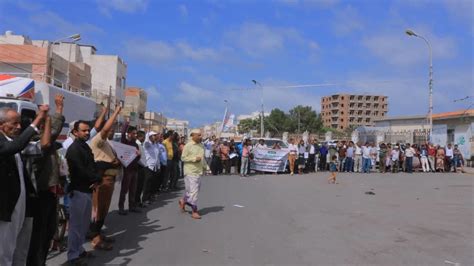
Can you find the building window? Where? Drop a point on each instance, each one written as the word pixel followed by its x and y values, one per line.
pixel 376 98
pixel 352 97
pixel 342 127
pixel 367 120
pixel 367 98
pixel 342 105
pixel 450 136
pixel 359 98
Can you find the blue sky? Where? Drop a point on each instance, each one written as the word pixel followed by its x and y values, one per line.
pixel 191 55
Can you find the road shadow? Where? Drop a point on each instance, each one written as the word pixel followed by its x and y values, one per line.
pixel 128 231
pixel 209 210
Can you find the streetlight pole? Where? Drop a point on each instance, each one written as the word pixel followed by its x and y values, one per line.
pixel 412 33
pixel 75 37
pixel 262 128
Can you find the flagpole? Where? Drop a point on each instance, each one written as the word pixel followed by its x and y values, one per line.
pixel 223 120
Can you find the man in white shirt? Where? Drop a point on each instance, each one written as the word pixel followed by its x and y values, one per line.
pixel 366 157
pixel 312 156
pixel 409 153
pixel 358 162
pixel 152 165
pixel 450 156
pixel 261 144
pixel 395 156
pixel 141 137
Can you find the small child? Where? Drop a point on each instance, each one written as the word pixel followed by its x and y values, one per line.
pixel 333 169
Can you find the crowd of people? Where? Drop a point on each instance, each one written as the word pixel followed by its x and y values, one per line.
pixel 348 156
pixel 227 156
pixel 38 170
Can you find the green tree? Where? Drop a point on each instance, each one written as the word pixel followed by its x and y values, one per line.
pixel 277 122
pixel 245 125
pixel 304 118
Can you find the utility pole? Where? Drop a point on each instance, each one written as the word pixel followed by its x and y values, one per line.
pixel 262 128
pixel 299 117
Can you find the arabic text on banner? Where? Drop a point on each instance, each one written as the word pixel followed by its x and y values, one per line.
pixel 269 160
pixel 125 153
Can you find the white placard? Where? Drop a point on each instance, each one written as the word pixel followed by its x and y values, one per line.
pixel 125 153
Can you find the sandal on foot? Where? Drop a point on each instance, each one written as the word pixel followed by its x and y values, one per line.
pixel 103 246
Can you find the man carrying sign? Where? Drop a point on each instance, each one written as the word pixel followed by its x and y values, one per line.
pixel 194 167
pixel 108 167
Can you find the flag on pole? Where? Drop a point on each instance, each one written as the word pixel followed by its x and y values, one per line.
pixel 227 122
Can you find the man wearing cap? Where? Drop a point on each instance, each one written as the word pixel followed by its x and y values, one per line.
pixel 194 167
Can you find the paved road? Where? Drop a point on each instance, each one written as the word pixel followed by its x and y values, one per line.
pixel 418 219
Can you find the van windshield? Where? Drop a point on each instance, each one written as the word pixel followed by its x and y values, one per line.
pixel 9 105
pixel 27 116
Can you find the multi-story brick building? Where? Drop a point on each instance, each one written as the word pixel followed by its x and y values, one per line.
pixel 23 57
pixel 135 105
pixel 340 111
pixel 76 67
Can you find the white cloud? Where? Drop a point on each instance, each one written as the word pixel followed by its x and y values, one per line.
pixel 150 51
pixel 126 6
pixel 399 49
pixel 460 9
pixel 197 53
pixel 158 52
pixel 60 26
pixel 347 20
pixel 183 10
pixel 258 40
pixel 193 94
pixel 309 3
pixel 153 93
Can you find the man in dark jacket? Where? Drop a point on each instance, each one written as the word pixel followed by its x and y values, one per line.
pixel 84 178
pixel 129 181
pixel 16 188
pixel 47 185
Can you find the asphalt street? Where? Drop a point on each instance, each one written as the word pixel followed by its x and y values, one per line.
pixel 408 219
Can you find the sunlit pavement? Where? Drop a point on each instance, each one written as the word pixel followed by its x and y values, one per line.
pixel 409 219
